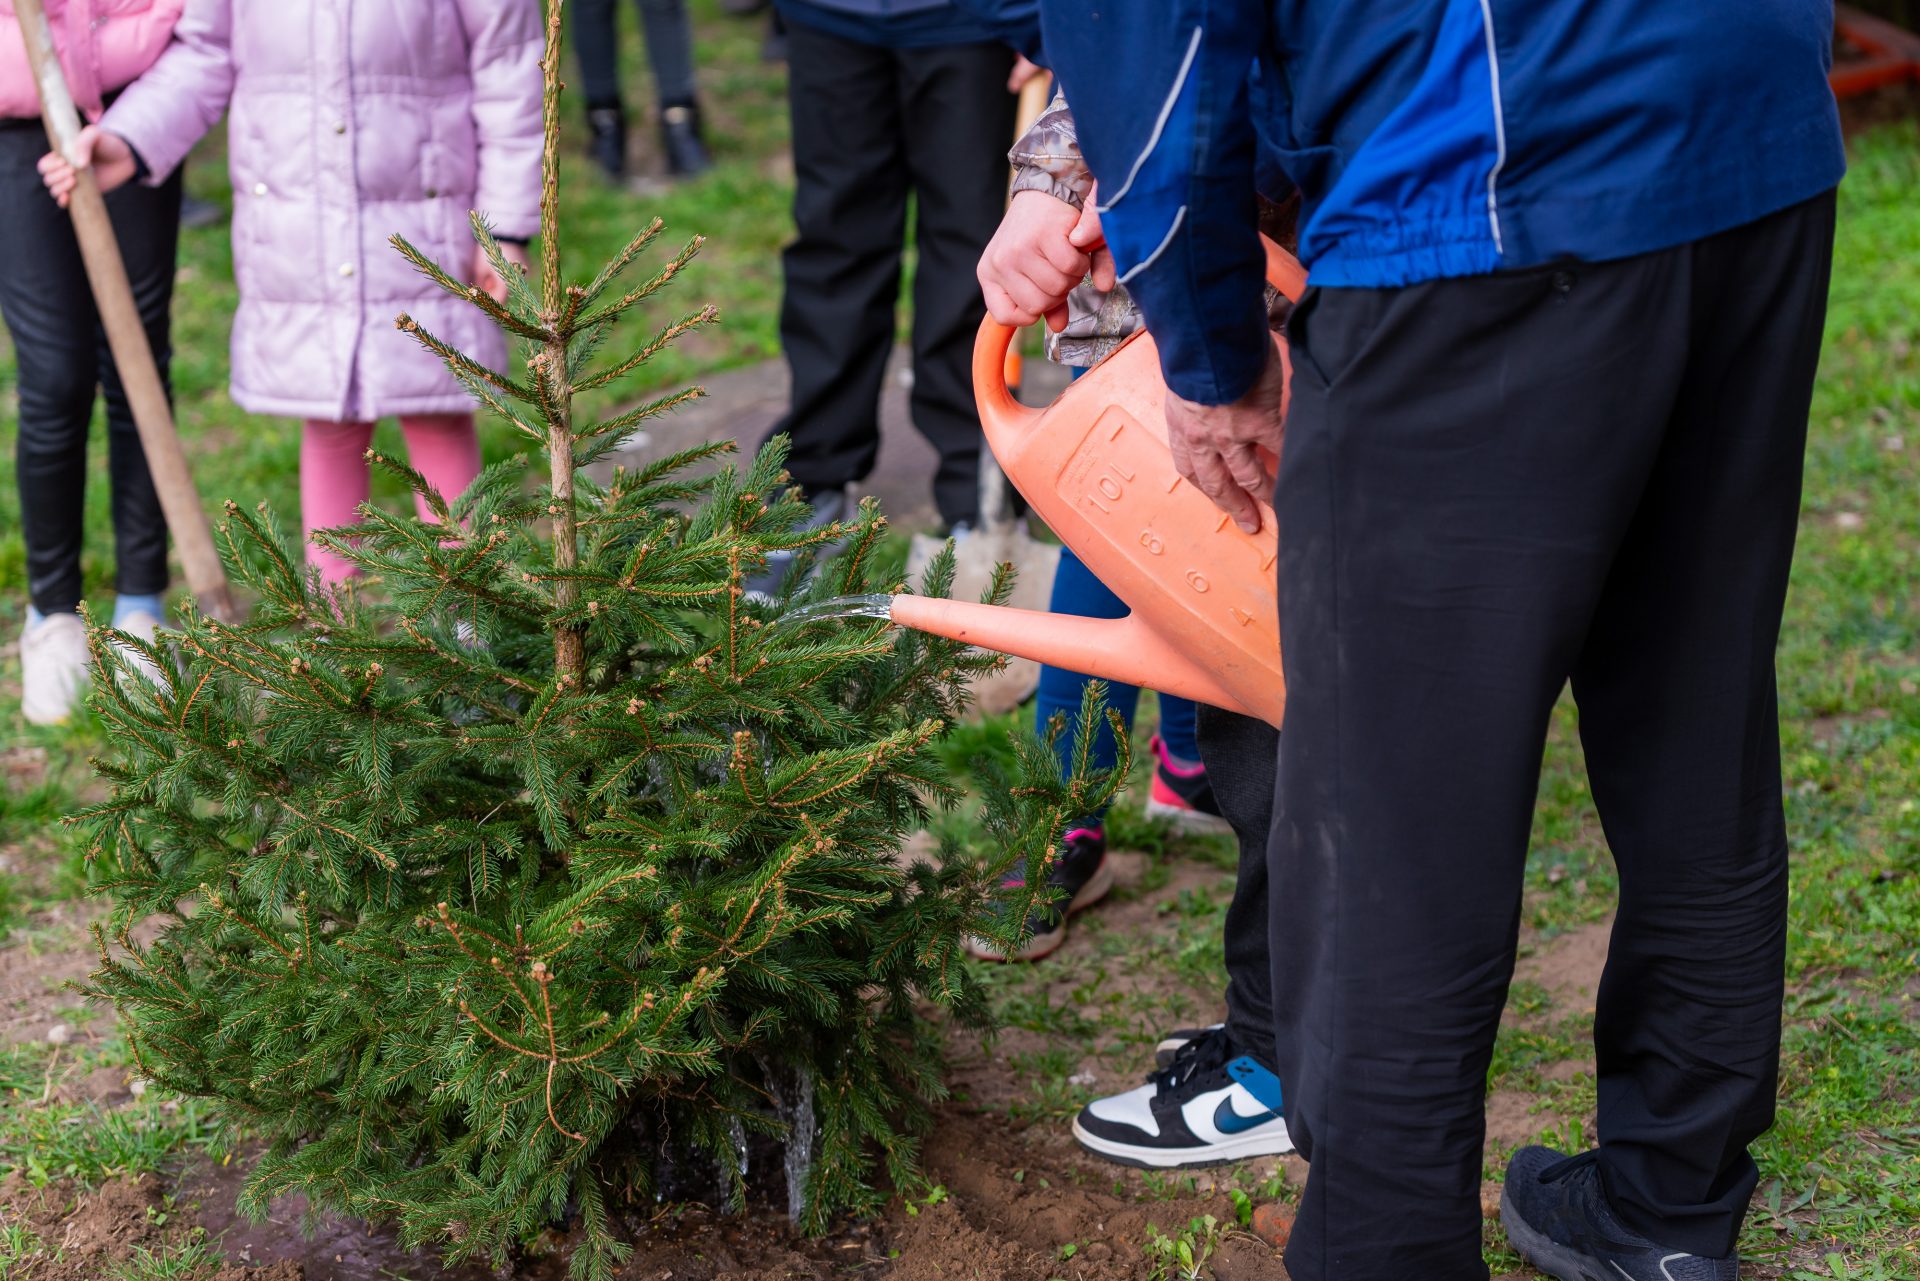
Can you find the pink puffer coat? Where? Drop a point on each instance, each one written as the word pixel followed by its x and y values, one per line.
pixel 350 120
pixel 103 44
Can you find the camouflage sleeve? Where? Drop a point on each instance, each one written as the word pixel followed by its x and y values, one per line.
pixel 1047 157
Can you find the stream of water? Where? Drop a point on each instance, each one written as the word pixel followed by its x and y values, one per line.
pixel 878 605
pixel 792 1091
pixel 797 1111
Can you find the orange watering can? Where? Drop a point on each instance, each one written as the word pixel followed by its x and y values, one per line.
pixel 1095 466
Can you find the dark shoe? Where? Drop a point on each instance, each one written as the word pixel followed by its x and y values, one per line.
pixel 198 214
pixel 607 139
pixel 1081 873
pixel 1211 1106
pixel 683 142
pixel 774 48
pixel 1182 796
pixel 829 505
pixel 1556 1215
pixel 742 8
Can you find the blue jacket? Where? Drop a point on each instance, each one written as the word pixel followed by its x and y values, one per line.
pixel 1429 138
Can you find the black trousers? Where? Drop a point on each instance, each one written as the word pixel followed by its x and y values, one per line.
pixel 1490 487
pixel 61 354
pixel 669 35
pixel 1241 754
pixel 871 127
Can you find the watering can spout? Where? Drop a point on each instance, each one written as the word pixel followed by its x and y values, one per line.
pixel 1125 650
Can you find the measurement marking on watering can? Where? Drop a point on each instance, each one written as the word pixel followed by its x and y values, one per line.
pixel 1111 484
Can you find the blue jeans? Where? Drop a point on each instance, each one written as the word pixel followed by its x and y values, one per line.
pixel 1077 591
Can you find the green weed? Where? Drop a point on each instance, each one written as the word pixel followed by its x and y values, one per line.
pixel 187 1260
pixel 1182 1256
pixel 89 1143
pixel 22 1252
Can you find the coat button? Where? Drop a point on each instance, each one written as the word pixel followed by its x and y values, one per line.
pixel 432 192
pixel 259 188
pixel 339 126
pixel 346 269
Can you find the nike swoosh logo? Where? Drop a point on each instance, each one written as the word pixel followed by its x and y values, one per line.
pixel 1227 1121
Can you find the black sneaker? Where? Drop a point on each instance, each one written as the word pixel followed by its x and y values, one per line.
pixel 1182 796
pixel 1163 1053
pixel 683 140
pixel 774 48
pixel 1556 1215
pixel 197 214
pixel 1082 871
pixel 829 505
pixel 1211 1106
pixel 607 139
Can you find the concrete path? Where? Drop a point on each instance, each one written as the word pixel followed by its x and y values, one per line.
pixel 745 403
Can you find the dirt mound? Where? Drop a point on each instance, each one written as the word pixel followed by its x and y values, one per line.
pixel 83 1234
pixel 1017 1201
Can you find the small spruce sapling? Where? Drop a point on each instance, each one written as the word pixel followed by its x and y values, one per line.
pixel 546 850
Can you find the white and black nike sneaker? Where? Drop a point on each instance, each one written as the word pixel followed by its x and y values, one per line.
pixel 1211 1106
pixel 1557 1216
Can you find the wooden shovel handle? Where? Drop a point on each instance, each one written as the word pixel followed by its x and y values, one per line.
pixel 126 336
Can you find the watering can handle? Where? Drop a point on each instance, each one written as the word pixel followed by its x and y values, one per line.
pixel 998 408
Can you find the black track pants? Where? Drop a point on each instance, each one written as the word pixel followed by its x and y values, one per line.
pixel 1240 754
pixel 1490 487
pixel 61 352
pixel 872 125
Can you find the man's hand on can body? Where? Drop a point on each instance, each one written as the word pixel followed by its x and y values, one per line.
pixel 1229 451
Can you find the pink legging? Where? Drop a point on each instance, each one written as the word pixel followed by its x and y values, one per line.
pixel 333 473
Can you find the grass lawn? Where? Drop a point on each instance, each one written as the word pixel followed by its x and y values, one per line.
pixel 1840 1192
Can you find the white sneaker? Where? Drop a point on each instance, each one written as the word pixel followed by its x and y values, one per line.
pixel 1210 1106
pixel 53 668
pixel 141 625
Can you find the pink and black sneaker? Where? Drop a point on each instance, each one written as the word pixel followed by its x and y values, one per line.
pixel 1082 872
pixel 1182 796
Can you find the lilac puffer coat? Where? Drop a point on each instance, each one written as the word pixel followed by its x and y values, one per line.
pixel 351 120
